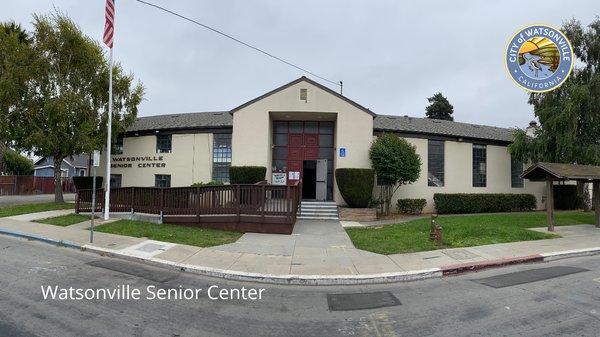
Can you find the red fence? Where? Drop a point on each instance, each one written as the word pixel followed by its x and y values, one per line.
pixel 20 185
pixel 248 208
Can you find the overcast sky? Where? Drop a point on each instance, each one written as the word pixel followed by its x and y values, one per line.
pixel 390 55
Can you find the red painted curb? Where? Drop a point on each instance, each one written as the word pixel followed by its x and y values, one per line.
pixel 455 269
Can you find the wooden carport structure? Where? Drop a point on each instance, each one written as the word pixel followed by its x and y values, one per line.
pixel 551 172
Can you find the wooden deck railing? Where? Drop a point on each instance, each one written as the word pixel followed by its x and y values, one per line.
pixel 253 208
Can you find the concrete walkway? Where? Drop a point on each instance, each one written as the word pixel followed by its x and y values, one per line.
pixel 33 199
pixel 315 250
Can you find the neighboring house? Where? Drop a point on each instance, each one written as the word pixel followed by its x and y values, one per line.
pixel 76 166
pixel 304 130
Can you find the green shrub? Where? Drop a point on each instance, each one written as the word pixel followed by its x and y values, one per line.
pixel 355 185
pixel 410 206
pixel 87 183
pixel 247 174
pixel 565 197
pixel 210 183
pixel 463 203
pixel 17 164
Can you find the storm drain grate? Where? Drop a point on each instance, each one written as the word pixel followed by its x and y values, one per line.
pixel 528 276
pixel 359 301
pixel 152 274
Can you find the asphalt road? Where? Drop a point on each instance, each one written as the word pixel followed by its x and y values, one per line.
pixel 454 306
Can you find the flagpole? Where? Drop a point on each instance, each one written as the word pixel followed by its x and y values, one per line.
pixel 108 139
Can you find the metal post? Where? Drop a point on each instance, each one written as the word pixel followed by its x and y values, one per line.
pixel 93 206
pixel 108 139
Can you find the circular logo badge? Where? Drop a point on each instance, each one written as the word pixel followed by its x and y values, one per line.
pixel 539 58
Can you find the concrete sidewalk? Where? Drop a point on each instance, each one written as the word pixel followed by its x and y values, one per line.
pixel 318 252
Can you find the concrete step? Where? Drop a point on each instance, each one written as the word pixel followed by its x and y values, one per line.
pixel 317 218
pixel 318 214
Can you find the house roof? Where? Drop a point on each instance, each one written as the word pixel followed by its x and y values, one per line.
pixel 80 160
pixel 308 80
pixel 194 120
pixel 382 123
pixel 438 127
pixel 557 171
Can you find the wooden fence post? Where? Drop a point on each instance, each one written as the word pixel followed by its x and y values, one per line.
pixel 263 202
pixel 596 201
pixel 550 204
pixel 238 202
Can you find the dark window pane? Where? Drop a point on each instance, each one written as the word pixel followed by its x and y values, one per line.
pixel 326 128
pixel 326 153
pixel 221 156
pixel 326 140
pixel 115 180
pixel 479 165
pixel 162 180
pixel 279 165
pixel 311 127
pixel 280 127
pixel 280 152
pixel 118 147
pixel 295 127
pixel 435 163
pixel 280 139
pixel 516 169
pixel 163 143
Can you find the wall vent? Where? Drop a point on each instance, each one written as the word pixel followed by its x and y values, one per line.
pixel 304 95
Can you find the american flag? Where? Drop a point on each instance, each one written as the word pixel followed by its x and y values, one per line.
pixel 109 25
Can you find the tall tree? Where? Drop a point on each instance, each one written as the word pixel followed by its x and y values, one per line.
pixel 440 108
pixel 569 116
pixel 15 55
pixel 64 109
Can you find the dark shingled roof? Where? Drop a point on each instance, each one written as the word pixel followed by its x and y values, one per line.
pixel 428 126
pixel 541 171
pixel 424 126
pixel 193 120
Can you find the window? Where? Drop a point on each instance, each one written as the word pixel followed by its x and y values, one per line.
pixel 163 143
pixel 82 172
pixel 435 163
pixel 221 156
pixel 118 145
pixel 516 169
pixel 115 180
pixel 162 180
pixel 479 165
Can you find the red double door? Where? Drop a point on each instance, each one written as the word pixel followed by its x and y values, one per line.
pixel 301 147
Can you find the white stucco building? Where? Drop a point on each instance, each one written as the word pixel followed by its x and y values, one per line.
pixel 304 130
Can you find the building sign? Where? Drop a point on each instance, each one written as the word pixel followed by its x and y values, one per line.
pixel 342 152
pixel 140 162
pixel 278 178
pixel 294 175
pixel 96 158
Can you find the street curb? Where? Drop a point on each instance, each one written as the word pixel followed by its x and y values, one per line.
pixel 313 280
pixel 456 269
pixel 61 243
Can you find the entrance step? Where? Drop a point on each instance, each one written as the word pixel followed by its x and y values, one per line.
pixel 318 210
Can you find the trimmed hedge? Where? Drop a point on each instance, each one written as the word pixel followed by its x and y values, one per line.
pixel 247 174
pixel 565 197
pixel 411 206
pixel 463 203
pixel 210 183
pixel 87 183
pixel 355 185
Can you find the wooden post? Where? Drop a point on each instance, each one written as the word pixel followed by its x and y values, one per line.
pixel 550 204
pixel 263 202
pixel 596 201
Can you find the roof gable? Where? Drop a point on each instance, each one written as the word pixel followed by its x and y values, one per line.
pixel 307 80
